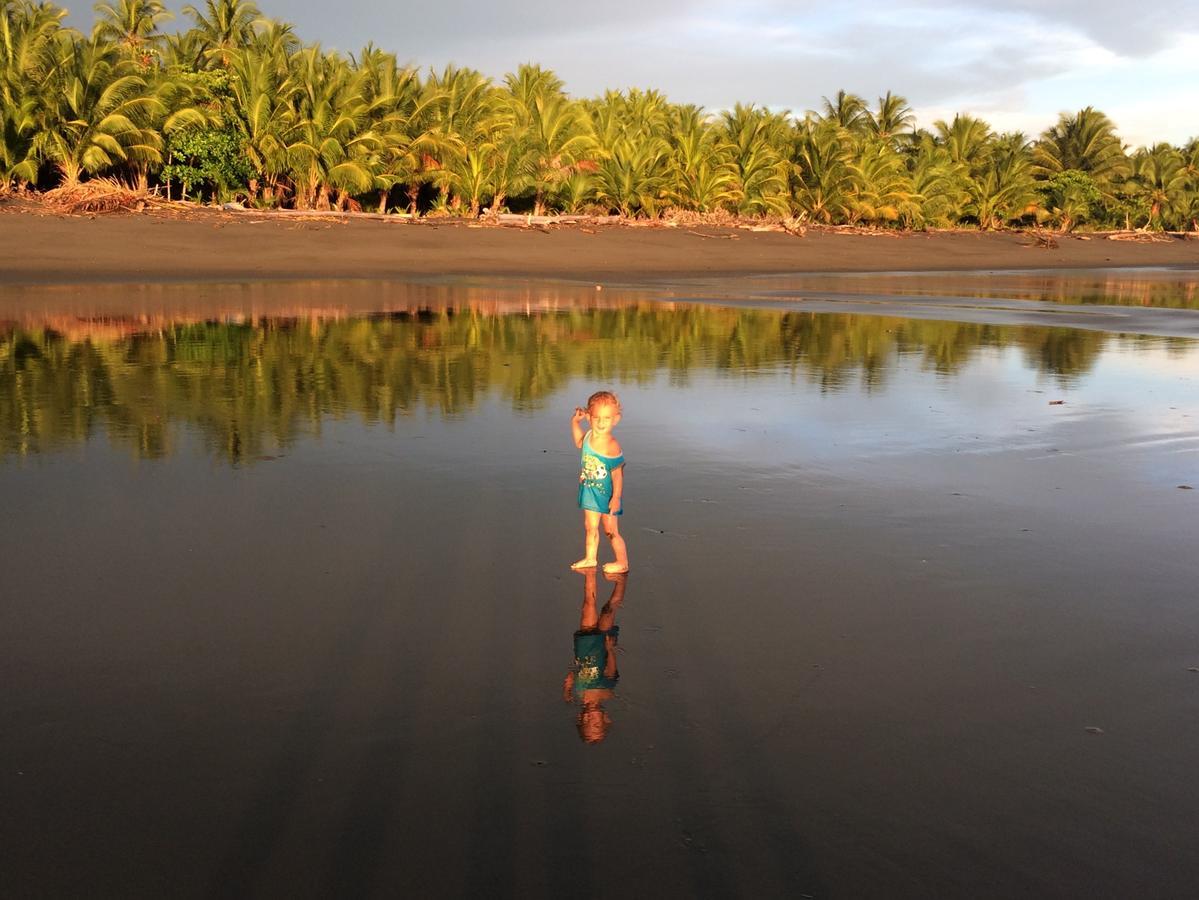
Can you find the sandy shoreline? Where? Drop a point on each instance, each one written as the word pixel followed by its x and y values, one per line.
pixel 37 247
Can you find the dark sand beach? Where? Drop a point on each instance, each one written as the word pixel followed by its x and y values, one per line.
pixel 38 246
pixel 289 506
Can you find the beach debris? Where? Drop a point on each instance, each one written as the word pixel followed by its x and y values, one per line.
pixel 1094 729
pixel 859 230
pixel 1057 402
pixel 599 287
pixel 1185 487
pixel 1045 241
pixel 539 763
pixel 1193 669
pixel 97 195
pixel 1140 237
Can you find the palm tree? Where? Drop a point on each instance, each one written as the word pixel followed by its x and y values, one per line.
pixel 132 24
pixel 331 144
pixel 967 140
pixel 891 118
pixel 29 41
pixel 703 176
pixel 847 111
pixel 224 27
pixel 757 138
pixel 260 110
pixel 934 183
pixel 29 34
pixel 1190 155
pixel 387 89
pixel 633 176
pixel 632 170
pixel 968 143
pixel 1086 142
pixel 467 112
pixel 95 112
pixel 1160 180
pixel 18 158
pixel 1004 190
pixel 274 39
pixel 554 130
pixel 882 188
pixel 411 142
pixel 529 82
pixel 826 180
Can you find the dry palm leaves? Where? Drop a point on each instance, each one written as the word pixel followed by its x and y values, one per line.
pixel 99 195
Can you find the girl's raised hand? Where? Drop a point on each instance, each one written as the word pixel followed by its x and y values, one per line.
pixel 580 414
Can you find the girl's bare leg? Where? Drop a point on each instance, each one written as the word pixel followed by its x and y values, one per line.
pixel 612 530
pixel 591 522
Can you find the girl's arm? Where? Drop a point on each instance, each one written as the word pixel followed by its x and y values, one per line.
pixel 617 489
pixel 575 428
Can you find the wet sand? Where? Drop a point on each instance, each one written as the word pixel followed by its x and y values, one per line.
pixel 912 632
pixel 37 247
pixel 285 682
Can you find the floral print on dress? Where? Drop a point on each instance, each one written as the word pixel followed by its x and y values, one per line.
pixel 594 473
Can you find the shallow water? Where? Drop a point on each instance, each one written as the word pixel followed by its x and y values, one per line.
pixel 1160 287
pixel 286 606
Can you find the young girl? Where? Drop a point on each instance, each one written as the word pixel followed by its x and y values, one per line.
pixel 601 479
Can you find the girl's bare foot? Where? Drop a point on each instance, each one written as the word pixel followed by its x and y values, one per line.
pixel 585 564
pixel 614 568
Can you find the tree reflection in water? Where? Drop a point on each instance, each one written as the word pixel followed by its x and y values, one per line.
pixel 252 387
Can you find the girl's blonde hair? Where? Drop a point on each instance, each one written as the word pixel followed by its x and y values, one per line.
pixel 602 397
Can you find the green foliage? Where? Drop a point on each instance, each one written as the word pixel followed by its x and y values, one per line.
pixel 1071 197
pixel 210 160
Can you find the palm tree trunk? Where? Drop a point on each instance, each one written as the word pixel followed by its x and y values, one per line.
pixel 413 194
pixel 383 201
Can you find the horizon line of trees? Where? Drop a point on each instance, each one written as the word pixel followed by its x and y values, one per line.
pixel 237 106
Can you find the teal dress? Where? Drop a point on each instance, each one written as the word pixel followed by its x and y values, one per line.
pixel 591 661
pixel 595 478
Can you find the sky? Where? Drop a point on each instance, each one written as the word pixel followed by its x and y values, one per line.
pixel 1016 63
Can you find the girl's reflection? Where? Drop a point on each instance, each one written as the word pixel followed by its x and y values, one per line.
pixel 592 679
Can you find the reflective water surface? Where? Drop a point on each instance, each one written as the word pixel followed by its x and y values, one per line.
pixel 1167 288
pixel 286 606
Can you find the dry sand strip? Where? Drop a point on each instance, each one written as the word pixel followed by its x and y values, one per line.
pixel 209 245
pixel 1158 322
